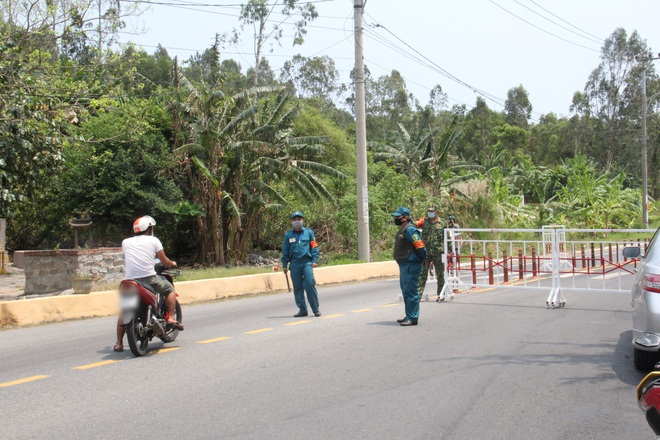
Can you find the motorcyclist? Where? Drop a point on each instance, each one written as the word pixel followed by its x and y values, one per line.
pixel 140 251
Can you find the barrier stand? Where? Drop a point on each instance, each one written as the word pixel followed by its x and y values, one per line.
pixel 555 298
pixel 453 283
pixel 505 265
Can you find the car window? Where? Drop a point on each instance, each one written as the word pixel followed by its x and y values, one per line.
pixel 654 249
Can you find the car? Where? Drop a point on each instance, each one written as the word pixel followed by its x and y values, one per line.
pixel 645 303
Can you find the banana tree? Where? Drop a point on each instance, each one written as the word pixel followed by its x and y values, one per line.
pixel 239 148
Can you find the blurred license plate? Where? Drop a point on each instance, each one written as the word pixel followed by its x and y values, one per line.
pixel 129 302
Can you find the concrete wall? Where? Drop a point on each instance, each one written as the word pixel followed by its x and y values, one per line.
pixel 51 271
pixel 19 259
pixel 60 308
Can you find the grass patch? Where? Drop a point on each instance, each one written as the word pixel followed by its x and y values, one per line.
pixel 219 272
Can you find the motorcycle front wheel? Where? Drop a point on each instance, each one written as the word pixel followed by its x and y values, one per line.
pixel 138 344
pixel 172 333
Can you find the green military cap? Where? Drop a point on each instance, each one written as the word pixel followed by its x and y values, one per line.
pixel 401 211
pixel 432 208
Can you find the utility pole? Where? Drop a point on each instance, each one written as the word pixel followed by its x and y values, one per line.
pixel 361 137
pixel 645 197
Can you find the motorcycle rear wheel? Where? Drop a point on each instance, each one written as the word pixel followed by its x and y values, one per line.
pixel 172 333
pixel 137 344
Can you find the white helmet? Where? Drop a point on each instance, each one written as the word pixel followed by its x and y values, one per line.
pixel 143 223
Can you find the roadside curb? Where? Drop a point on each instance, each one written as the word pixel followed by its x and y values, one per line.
pixel 35 311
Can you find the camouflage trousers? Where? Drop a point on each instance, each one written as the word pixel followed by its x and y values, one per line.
pixel 438 268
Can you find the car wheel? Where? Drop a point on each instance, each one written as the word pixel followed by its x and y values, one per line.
pixel 645 360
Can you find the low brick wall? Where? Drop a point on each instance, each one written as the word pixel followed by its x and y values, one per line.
pixel 51 271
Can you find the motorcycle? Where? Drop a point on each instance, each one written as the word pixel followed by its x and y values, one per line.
pixel 648 399
pixel 144 314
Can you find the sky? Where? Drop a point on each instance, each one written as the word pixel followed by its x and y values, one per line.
pixel 550 47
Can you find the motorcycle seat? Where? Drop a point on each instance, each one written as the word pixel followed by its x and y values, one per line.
pixel 146 286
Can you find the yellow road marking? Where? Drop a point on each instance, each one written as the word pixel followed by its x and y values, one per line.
pixel 362 310
pixel 388 305
pixel 208 341
pixel 20 381
pixel 261 330
pixel 333 316
pixel 97 364
pixel 163 350
pixel 297 323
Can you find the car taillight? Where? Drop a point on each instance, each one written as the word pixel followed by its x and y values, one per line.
pixel 651 282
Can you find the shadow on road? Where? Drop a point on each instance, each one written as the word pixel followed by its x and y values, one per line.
pixel 393 322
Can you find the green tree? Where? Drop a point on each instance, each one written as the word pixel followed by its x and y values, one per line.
pixel 258 14
pixel 612 95
pixel 315 77
pixel 238 148
pixel 517 107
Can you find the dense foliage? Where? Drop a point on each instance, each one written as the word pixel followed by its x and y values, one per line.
pixel 220 155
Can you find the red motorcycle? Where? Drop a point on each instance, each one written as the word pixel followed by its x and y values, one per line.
pixel 144 314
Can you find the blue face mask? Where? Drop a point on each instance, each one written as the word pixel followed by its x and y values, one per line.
pixel 297 224
pixel 430 214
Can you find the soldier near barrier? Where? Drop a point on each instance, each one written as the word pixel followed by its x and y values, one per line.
pixel 433 235
pixel 300 254
pixel 409 253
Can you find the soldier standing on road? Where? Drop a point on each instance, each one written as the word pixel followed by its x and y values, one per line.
pixel 409 253
pixel 301 253
pixel 433 235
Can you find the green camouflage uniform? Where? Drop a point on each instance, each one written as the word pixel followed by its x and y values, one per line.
pixel 433 236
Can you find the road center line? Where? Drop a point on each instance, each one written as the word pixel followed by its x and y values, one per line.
pixel 296 323
pixel 388 305
pixel 208 341
pixel 20 381
pixel 261 330
pixel 332 316
pixel 362 310
pixel 96 364
pixel 163 350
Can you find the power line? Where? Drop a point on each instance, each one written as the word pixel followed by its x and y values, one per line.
pixel 557 24
pixel 559 18
pixel 446 73
pixel 541 29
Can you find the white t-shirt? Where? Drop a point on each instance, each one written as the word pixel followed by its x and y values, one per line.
pixel 140 254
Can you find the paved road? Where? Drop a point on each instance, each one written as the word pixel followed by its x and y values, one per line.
pixel 489 365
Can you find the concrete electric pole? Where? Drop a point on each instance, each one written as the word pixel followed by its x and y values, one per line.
pixel 361 137
pixel 645 197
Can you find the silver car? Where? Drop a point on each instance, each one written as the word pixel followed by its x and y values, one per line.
pixel 646 305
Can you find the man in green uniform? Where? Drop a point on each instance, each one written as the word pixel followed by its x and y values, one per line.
pixel 409 253
pixel 433 235
pixel 300 253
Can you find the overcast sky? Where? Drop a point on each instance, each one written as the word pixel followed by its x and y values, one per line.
pixel 479 42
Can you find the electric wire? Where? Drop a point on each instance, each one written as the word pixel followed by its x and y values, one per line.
pixel 541 29
pixel 557 24
pixel 425 61
pixel 573 26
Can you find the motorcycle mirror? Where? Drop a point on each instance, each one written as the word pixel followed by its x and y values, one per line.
pixel 648 399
